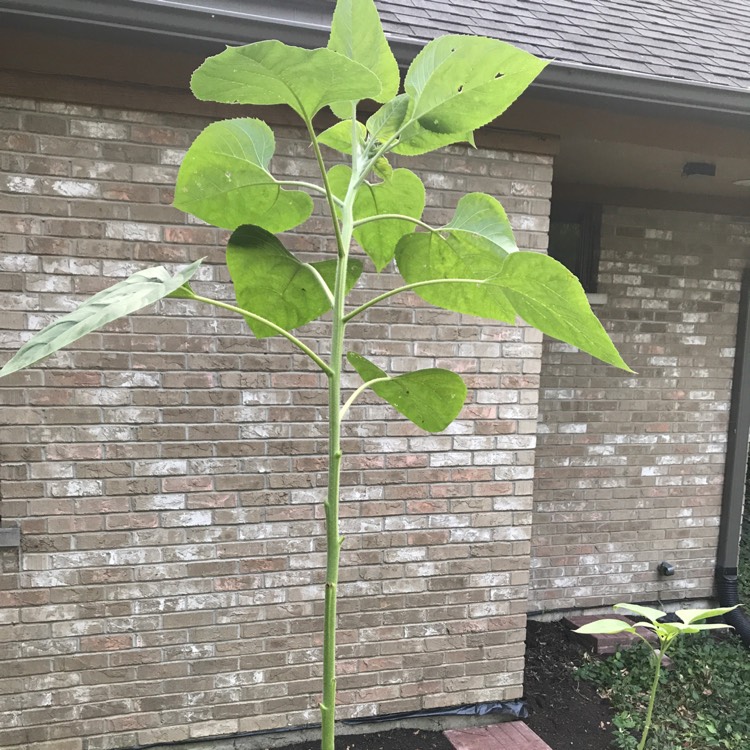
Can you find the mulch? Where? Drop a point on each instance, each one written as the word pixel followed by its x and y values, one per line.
pixel 393 739
pixel 563 711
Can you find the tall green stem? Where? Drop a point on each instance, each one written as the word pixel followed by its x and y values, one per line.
pixel 652 700
pixel 334 541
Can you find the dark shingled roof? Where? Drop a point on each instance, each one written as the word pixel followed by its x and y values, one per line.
pixel 699 41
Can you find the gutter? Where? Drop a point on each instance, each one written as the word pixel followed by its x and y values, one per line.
pixel 733 503
pixel 307 22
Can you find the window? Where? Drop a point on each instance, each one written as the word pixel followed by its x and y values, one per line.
pixel 574 237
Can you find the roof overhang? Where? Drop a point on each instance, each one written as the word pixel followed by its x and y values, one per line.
pixel 306 23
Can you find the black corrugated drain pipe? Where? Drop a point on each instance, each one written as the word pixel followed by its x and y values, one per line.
pixel 728 589
pixel 733 502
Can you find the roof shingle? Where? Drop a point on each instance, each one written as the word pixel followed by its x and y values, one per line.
pixel 674 39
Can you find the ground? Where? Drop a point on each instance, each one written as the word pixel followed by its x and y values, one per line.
pixel 394 739
pixel 564 712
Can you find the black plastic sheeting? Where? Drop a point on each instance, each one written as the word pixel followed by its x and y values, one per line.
pixel 511 709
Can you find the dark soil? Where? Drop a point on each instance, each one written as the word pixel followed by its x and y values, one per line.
pixel 394 739
pixel 564 712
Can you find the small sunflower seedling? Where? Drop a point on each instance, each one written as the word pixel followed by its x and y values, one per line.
pixel 667 632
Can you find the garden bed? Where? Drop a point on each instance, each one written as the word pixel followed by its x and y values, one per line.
pixel 393 739
pixel 563 710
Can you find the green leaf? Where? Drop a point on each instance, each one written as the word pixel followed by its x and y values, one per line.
pixel 711 626
pixel 403 193
pixel 432 256
pixel 431 399
pixel 394 115
pixel 417 140
pixel 531 285
pixel 141 289
pixel 383 168
pixel 550 298
pixel 387 121
pixel 339 136
pixel 271 72
pixel 457 84
pixel 327 269
pixel 605 626
pixel 182 292
pixel 483 215
pixel 224 179
pixel 648 612
pixel 677 628
pixel 356 33
pixel 689 616
pixel 270 282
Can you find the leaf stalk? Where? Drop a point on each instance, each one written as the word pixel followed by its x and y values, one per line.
pixel 355 395
pixel 406 288
pixel 400 217
pixel 278 329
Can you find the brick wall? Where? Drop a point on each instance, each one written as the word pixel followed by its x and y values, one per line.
pixel 630 468
pixel 167 472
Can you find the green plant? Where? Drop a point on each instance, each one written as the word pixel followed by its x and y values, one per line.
pixel 471 265
pixel 704 703
pixel 666 632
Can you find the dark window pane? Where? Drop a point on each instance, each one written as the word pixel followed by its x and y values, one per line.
pixel 574 239
pixel 565 241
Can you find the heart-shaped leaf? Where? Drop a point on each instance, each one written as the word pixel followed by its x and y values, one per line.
pixel 224 179
pixel 339 136
pixel 141 289
pixel 356 33
pixel 402 193
pixel 484 216
pixel 460 83
pixel 431 399
pixel 531 285
pixel 606 626
pixel 270 282
pixel 460 255
pixel 272 72
pixel 549 297
pixel 455 85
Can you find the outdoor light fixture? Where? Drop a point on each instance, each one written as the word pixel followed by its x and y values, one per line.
pixel 666 568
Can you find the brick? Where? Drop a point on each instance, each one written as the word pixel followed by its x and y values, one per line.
pixel 612 449
pixel 169 488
